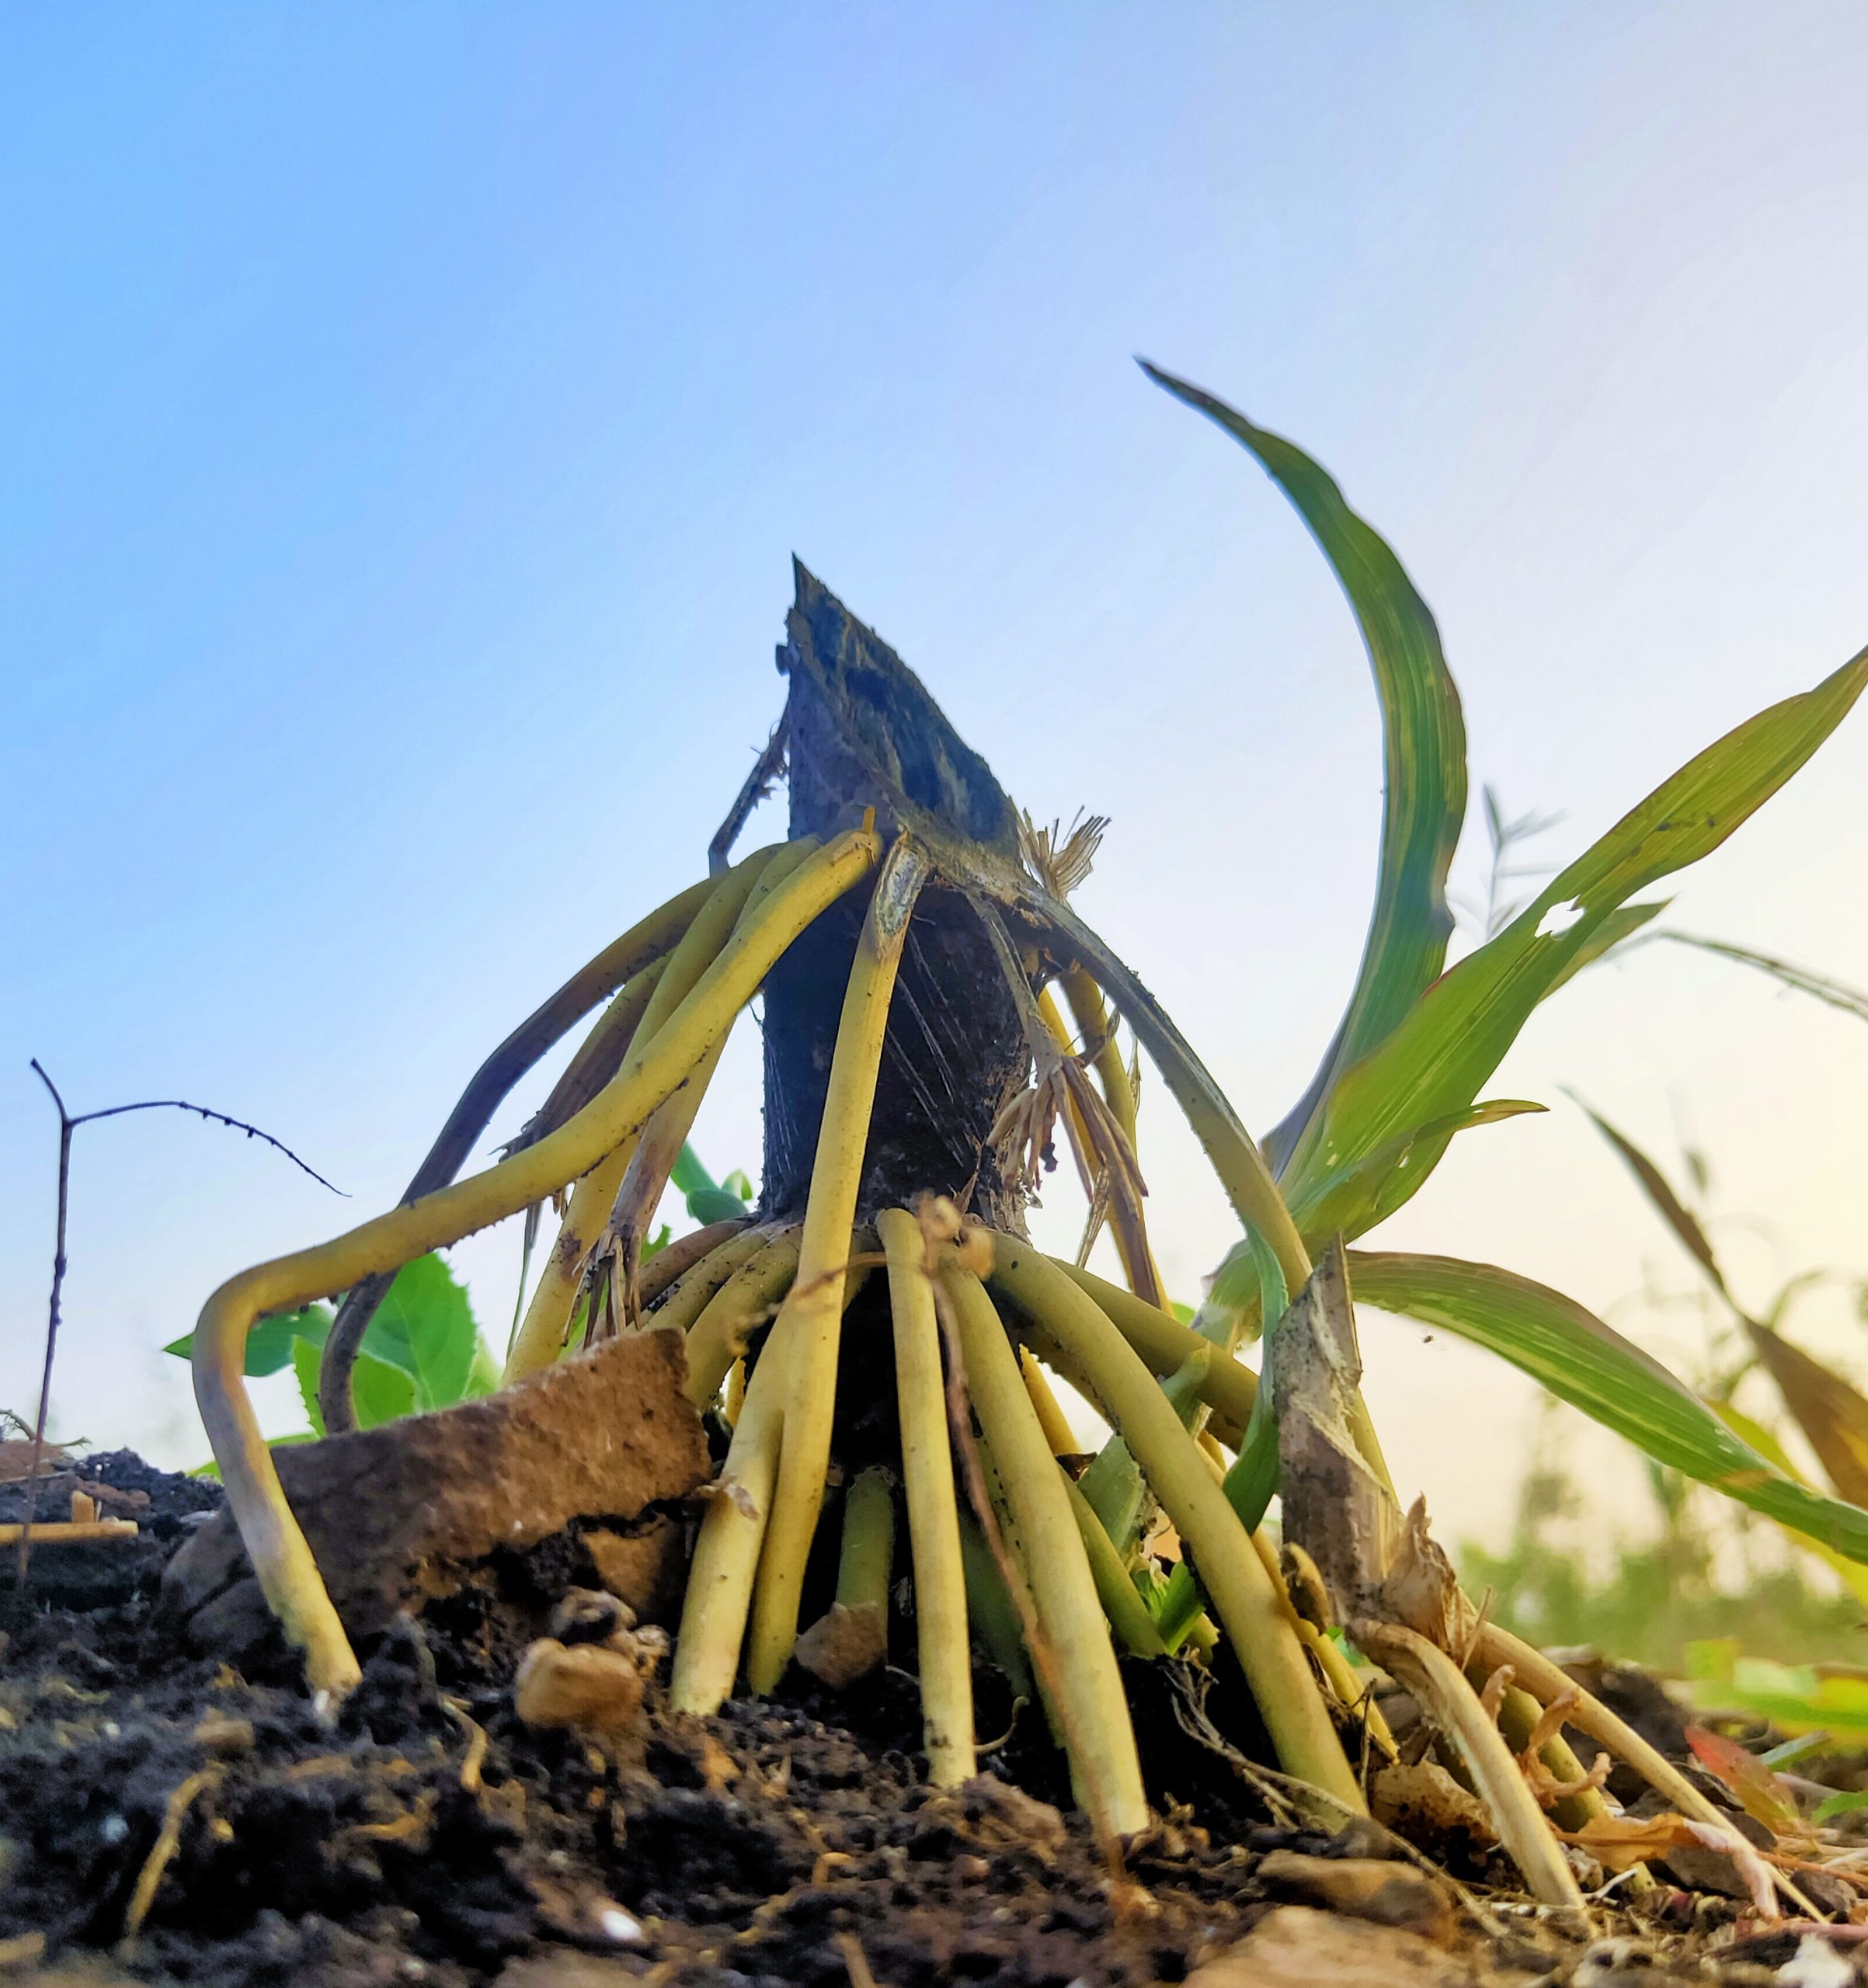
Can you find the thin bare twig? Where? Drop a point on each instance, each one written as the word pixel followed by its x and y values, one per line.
pixel 68 1123
pixel 767 770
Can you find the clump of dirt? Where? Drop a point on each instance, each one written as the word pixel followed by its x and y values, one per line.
pixel 197 1824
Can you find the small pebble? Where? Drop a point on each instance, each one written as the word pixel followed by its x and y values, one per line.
pixel 620 1926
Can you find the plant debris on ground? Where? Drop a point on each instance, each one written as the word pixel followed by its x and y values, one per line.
pixel 176 1820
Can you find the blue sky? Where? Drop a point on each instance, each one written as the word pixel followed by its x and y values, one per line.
pixel 410 413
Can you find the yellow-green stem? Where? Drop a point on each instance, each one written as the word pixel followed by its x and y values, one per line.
pixel 1165 1346
pixel 288 1574
pixel 1547 1680
pixel 867 1551
pixel 993 1611
pixel 1094 1025
pixel 1228 1569
pixel 1091 1706
pixel 645 1179
pixel 805 1339
pixel 945 1654
pixel 1353 1693
pixel 1124 1217
pixel 1127 1613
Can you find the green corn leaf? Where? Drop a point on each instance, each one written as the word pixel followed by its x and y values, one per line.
pixel 1852 1577
pixel 1581 1361
pixel 1423 752
pixel 1618 929
pixel 268 1345
pixel 1454 1037
pixel 1350 1203
pixel 381 1391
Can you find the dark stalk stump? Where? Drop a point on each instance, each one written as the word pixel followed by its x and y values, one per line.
pixel 865 733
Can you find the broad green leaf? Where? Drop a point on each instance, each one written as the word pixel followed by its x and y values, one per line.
pixel 381 1392
pixel 1423 753
pixel 483 1375
pixel 426 1326
pixel 1349 1204
pixel 268 1345
pixel 689 1173
pixel 1588 1363
pixel 1454 1037
pixel 1844 1802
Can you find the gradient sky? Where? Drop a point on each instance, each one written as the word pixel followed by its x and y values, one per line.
pixel 410 412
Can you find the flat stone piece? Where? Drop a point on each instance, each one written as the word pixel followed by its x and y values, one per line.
pixel 1386 1893
pixel 394 1514
pixel 1297 1947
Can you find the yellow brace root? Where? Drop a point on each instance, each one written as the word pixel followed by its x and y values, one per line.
pixel 934 1531
pixel 1245 1600
pixel 1093 1708
pixel 805 1339
pixel 540 1340
pixel 281 1559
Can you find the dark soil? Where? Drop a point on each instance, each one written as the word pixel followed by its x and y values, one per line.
pixel 432 1838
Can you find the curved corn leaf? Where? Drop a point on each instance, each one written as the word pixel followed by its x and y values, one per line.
pixel 1454 1037
pixel 1583 1361
pixel 1423 753
pixel 1348 1204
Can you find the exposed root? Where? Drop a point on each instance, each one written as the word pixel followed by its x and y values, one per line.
pixel 168 1840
